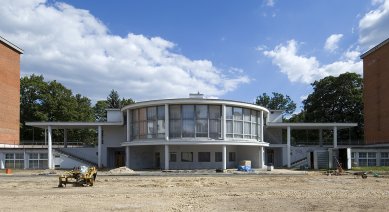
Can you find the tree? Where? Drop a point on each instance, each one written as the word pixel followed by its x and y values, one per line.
pixel 51 101
pixel 277 102
pixel 336 99
pixel 113 100
pixel 125 102
pixel 99 110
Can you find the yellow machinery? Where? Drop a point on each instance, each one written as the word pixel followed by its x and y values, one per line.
pixel 79 176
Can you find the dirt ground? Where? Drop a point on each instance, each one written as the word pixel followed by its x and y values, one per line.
pixel 188 192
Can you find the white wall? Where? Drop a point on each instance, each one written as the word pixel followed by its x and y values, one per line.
pixel 89 153
pixel 66 162
pixel 113 136
pixel 114 115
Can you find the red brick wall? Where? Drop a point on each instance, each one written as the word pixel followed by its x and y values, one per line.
pixel 9 95
pixel 376 95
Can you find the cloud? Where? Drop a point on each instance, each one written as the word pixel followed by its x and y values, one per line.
pixel 72 46
pixel 374 25
pixel 332 42
pixel 305 69
pixel 270 3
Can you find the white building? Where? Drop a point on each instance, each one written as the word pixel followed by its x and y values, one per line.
pixel 185 133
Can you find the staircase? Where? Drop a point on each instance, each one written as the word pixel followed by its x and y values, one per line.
pixel 75 157
pixel 300 162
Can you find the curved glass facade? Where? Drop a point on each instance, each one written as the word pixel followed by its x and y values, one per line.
pixel 195 121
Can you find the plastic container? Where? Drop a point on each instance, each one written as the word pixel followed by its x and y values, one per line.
pixel 8 171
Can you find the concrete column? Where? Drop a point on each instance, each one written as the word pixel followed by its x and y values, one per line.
pixel 315 164
pixel 335 137
pixel 65 138
pixel 2 161
pixel 45 136
pixel 330 158
pixel 261 158
pixel 348 158
pixel 50 148
pixel 128 157
pixel 166 157
pixel 99 143
pixel 321 137
pixel 224 123
pixel 224 157
pixel 261 127
pixel 288 147
pixel 167 122
pixel 128 126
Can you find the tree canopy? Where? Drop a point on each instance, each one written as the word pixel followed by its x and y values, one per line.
pixel 336 99
pixel 277 102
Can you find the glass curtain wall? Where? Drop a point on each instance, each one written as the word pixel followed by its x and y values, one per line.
pixel 148 122
pixel 242 123
pixel 195 121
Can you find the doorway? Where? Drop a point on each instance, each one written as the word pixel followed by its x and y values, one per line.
pixel 157 160
pixel 270 156
pixel 119 159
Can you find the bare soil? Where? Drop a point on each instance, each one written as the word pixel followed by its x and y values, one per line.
pixel 186 192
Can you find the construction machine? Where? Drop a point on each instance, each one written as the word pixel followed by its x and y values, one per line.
pixel 79 176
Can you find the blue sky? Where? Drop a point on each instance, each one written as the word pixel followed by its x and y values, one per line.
pixel 165 49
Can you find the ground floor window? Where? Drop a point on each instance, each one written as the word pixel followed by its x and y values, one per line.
pixel 173 157
pixel 186 156
pixel 14 160
pixel 204 156
pixel 384 158
pixel 38 161
pixel 367 159
pixel 231 156
pixel 218 157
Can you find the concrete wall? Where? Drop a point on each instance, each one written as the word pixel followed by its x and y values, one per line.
pixel 62 161
pixel 113 136
pixel 89 154
pixel 9 95
pixel 375 98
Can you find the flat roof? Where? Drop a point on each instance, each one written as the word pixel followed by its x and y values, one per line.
pixel 193 101
pixel 301 126
pixel 71 125
pixel 374 48
pixel 11 45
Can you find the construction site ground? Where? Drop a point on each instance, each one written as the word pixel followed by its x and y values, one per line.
pixel 202 190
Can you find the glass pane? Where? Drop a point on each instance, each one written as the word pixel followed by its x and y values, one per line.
pixel 161 126
pixel 142 114
pixel 238 127
pixel 254 116
pixel 187 156
pixel 43 155
pixel 151 129
pixel 254 129
pixel 19 164
pixel 135 130
pixel 175 128
pixel 10 164
pixel 238 113
pixel 214 112
pixel 188 128
pixel 151 113
pixel 173 157
pixel 9 156
pixel 43 164
pixel 246 115
pixel 204 156
pixel 229 127
pixel 228 112
pixel 188 111
pixel 384 155
pixel 135 115
pixel 214 128
pixel 362 154
pixel 202 128
pixel 231 156
pixel 161 112
pixel 202 111
pixel 247 128
pixel 142 129
pixel 33 155
pixel 371 155
pixel 175 112
pixel 19 156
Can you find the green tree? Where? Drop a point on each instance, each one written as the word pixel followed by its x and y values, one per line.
pixel 125 102
pixel 99 110
pixel 277 102
pixel 336 99
pixel 113 100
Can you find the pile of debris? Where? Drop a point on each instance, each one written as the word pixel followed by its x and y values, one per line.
pixel 121 171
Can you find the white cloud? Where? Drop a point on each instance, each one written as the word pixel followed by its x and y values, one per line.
pixel 305 69
pixel 332 42
pixel 374 25
pixel 72 46
pixel 270 3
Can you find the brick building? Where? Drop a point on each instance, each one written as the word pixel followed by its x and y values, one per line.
pixel 375 96
pixel 9 92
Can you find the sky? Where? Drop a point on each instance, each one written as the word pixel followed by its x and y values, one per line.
pixel 233 50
